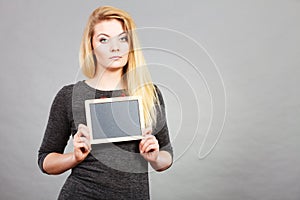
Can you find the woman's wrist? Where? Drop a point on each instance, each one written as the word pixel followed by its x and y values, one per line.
pixel 162 162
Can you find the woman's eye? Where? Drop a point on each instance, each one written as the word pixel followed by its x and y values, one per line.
pixel 124 39
pixel 103 40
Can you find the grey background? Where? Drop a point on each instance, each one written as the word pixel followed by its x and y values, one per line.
pixel 255 45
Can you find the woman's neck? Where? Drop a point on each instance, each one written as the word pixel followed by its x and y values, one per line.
pixel 107 79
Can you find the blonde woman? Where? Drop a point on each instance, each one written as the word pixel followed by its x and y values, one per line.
pixel 113 63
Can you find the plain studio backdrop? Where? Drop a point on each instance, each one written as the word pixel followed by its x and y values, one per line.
pixel 229 73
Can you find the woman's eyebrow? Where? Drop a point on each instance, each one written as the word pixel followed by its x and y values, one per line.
pixel 109 35
pixel 124 32
pixel 102 34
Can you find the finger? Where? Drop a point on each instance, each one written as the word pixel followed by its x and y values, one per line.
pixel 151 148
pixel 76 139
pixel 79 140
pixel 150 140
pixel 148 143
pixel 148 137
pixel 83 147
pixel 147 131
pixel 83 140
pixel 83 130
pixel 87 142
pixel 78 135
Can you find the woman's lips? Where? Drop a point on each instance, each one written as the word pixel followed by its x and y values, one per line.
pixel 115 57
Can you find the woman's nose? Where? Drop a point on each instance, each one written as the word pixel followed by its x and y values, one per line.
pixel 114 46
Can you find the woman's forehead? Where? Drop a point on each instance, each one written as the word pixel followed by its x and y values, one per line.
pixel 111 28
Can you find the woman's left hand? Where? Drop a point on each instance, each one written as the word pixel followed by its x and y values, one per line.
pixel 149 147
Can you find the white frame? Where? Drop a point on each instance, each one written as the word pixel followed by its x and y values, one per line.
pixel 110 100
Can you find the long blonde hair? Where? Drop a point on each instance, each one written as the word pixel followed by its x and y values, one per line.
pixel 135 74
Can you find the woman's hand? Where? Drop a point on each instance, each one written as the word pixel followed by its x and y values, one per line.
pixel 81 143
pixel 57 163
pixel 149 147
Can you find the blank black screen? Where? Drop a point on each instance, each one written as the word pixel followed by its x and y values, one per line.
pixel 115 119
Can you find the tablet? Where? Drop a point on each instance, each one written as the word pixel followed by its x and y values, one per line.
pixel 115 119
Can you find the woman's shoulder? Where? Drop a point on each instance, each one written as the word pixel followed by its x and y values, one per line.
pixel 66 89
pixel 64 93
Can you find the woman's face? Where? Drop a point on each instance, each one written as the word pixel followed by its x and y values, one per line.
pixel 110 44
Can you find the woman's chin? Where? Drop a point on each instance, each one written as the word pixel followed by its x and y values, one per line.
pixel 114 68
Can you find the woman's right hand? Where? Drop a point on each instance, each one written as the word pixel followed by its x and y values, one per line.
pixel 57 163
pixel 81 143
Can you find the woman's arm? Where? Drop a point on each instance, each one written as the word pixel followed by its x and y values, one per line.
pixel 57 163
pixel 163 161
pixel 149 149
pixel 157 150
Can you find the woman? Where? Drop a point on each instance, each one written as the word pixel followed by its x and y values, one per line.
pixel 111 59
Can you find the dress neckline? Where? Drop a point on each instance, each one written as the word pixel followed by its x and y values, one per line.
pixel 102 91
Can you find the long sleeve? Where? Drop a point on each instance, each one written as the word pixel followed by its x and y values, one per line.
pixel 161 130
pixel 58 129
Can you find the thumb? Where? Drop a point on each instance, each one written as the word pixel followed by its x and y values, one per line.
pixel 147 131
